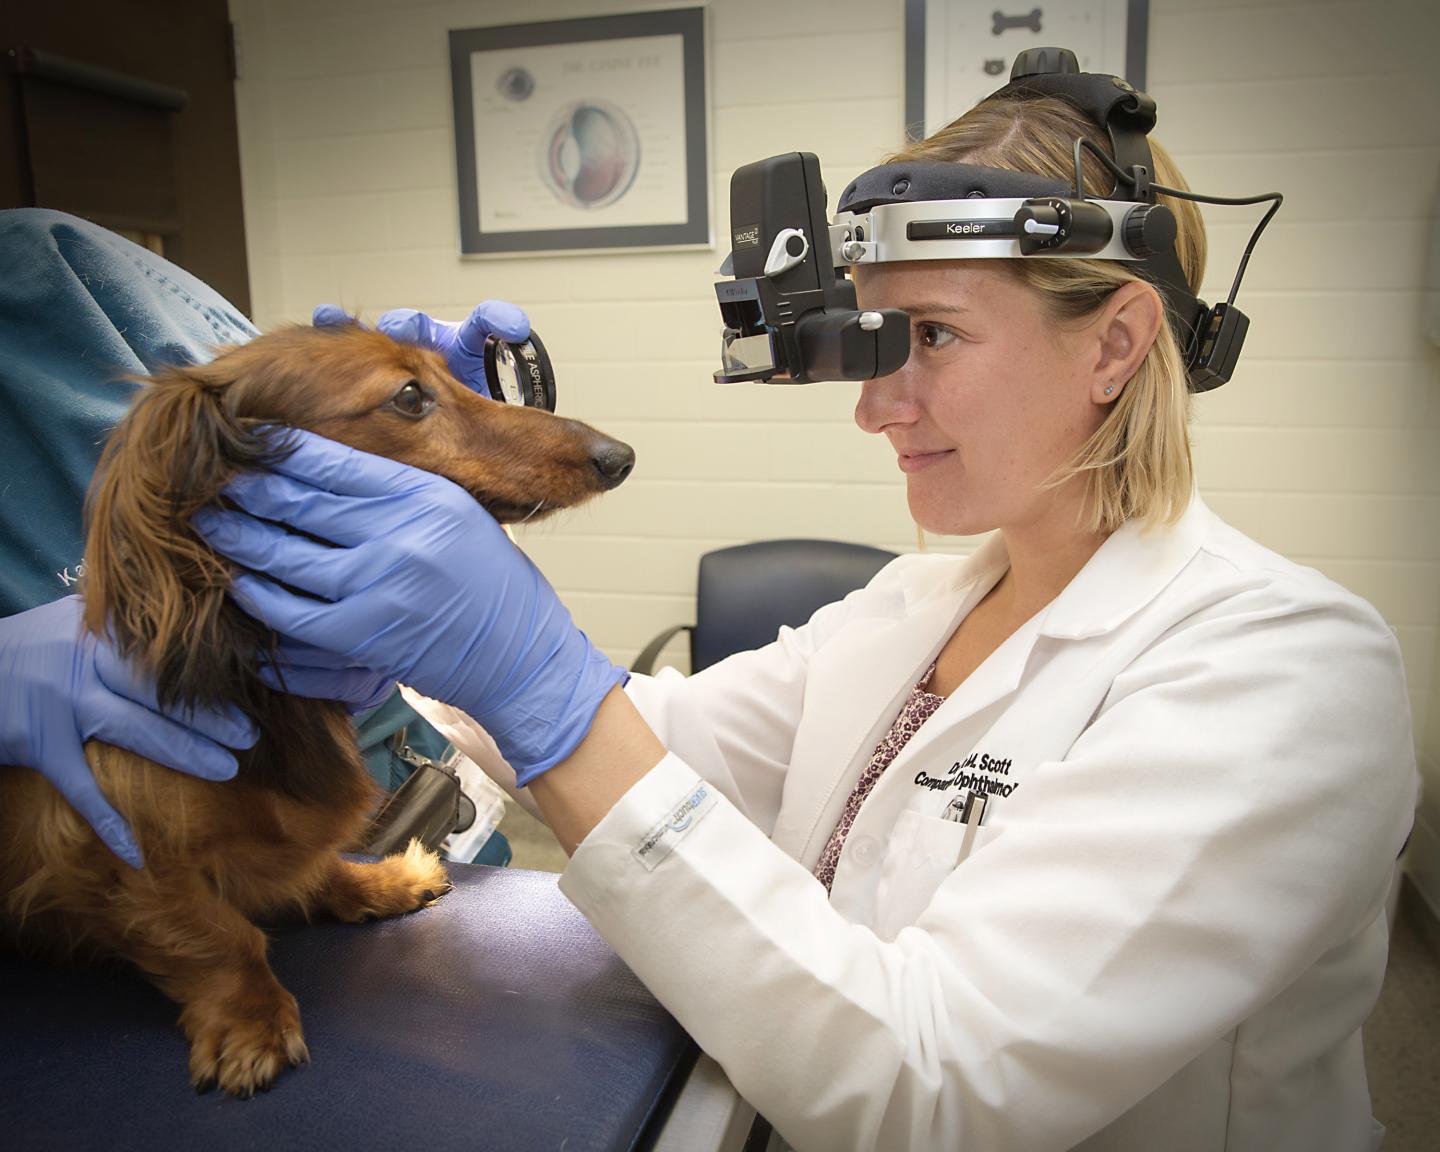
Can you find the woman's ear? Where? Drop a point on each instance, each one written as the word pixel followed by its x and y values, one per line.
pixel 1125 330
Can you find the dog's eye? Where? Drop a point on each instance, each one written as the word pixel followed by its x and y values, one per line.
pixel 412 400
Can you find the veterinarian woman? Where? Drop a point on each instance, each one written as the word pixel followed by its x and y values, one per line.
pixel 1082 840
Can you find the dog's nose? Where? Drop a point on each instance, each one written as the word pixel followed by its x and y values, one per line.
pixel 613 460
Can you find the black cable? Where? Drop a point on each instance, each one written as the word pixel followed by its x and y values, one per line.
pixel 1080 142
pixel 1274 198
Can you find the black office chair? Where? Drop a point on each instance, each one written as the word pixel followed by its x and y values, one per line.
pixel 745 593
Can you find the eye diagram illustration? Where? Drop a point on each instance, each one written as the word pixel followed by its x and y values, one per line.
pixel 592 154
pixel 516 84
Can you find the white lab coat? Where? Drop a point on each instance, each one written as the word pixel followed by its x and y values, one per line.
pixel 1165 933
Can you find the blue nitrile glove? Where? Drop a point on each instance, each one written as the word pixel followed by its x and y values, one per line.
pixel 63 686
pixel 305 670
pixel 462 344
pixel 423 585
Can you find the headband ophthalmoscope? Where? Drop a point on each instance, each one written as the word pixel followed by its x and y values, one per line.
pixel 790 309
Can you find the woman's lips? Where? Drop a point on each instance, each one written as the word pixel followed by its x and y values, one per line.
pixel 919 461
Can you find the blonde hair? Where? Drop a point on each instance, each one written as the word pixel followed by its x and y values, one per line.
pixel 1137 463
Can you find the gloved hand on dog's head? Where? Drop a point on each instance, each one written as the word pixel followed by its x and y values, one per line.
pixel 64 686
pixel 422 584
pixel 304 670
pixel 462 344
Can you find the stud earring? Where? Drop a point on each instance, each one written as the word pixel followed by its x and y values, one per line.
pixel 1109 390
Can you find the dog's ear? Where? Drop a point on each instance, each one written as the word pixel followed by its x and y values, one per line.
pixel 149 578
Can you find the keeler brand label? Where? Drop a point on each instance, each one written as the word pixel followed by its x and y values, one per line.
pixel 958 229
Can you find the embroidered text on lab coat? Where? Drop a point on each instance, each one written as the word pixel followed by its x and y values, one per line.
pixel 978 772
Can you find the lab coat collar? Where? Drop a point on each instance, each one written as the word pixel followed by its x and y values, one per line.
pixel 980 570
pixel 881 663
pixel 1128 571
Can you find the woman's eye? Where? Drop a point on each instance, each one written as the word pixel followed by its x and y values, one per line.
pixel 412 400
pixel 933 336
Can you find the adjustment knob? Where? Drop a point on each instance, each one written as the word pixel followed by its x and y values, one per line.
pixel 1043 62
pixel 1056 225
pixel 1150 228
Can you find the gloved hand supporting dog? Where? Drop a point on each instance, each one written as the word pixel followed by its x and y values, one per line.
pixel 422 585
pixel 64 686
pixel 304 670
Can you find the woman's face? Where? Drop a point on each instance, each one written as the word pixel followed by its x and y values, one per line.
pixel 994 398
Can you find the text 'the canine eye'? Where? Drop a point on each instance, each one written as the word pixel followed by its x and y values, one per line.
pixel 412 400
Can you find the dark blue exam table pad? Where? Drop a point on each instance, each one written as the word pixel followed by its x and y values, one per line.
pixel 496 1019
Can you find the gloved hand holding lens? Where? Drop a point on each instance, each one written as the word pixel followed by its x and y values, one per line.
pixel 492 351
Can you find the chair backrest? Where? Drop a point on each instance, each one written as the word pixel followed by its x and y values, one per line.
pixel 747 592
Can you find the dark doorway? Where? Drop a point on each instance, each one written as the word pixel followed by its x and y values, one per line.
pixel 123 112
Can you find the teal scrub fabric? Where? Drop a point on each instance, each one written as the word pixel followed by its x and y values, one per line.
pixel 80 309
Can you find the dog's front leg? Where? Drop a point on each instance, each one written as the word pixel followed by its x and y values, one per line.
pixel 404 882
pixel 243 1026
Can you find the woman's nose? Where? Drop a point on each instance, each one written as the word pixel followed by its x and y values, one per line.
pixel 885 401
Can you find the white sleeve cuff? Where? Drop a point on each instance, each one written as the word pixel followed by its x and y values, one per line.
pixel 646 825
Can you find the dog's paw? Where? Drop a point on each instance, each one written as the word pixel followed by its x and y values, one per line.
pixel 240 1045
pixel 425 876
pixel 404 882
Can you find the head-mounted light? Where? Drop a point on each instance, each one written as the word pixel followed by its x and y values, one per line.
pixel 790 310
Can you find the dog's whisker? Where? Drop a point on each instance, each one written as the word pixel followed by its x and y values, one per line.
pixel 532 512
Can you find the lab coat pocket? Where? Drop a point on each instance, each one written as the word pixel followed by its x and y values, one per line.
pixel 922 853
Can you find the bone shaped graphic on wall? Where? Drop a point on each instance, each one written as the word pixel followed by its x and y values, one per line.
pixel 1004 23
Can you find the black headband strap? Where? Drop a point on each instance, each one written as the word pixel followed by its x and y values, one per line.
pixel 907 182
pixel 1125 114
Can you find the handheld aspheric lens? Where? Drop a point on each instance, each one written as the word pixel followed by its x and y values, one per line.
pixel 519 372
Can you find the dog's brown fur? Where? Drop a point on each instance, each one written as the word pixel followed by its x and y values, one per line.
pixel 220 855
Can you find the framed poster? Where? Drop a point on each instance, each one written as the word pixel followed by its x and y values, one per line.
pixel 582 135
pixel 957 52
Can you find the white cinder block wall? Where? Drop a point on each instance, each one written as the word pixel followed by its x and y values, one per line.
pixel 1323 446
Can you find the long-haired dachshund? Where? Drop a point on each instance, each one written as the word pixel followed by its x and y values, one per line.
pixel 220 855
